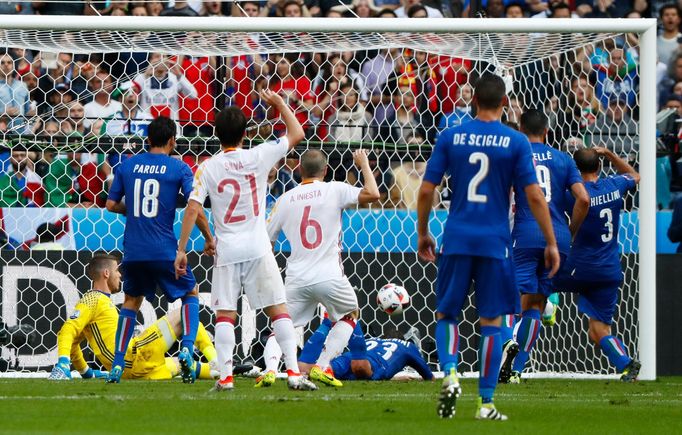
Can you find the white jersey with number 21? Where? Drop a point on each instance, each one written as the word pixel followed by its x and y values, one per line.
pixel 236 181
pixel 310 217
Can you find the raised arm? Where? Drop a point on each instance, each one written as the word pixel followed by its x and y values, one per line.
pixel 370 190
pixel 538 205
pixel 295 132
pixel 621 166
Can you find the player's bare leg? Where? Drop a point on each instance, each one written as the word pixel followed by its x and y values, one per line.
pixel 224 343
pixel 286 338
pixel 600 334
pixel 124 332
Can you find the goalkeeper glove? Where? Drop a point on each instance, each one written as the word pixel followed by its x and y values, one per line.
pixel 62 370
pixel 97 374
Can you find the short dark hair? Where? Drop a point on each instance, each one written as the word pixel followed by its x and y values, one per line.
pixel 534 122
pixel 515 4
pixel 230 126
pixel 666 7
pixel 587 160
pixel 253 2
pixel 161 131
pixel 489 91
pixel 555 7
pixel 416 8
pixel 388 11
pixel 313 163
pixel 99 263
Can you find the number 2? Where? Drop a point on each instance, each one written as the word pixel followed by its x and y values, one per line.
pixel 544 179
pixel 306 222
pixel 230 217
pixel 474 159
pixel 606 213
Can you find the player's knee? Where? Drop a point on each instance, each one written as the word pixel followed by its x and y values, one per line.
pixel 133 302
pixel 193 293
pixel 275 310
pixel 226 314
pixel 352 316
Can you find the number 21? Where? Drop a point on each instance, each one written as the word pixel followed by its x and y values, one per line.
pixel 230 217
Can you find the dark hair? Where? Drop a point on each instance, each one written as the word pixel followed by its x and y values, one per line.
pixel 511 5
pixel 587 160
pixel 46 232
pixel 313 163
pixel 416 8
pixel 161 131
pixel 253 2
pixel 534 122
pixel 555 7
pixel 489 91
pixel 291 2
pixel 230 126
pixel 99 263
pixel 666 7
pixel 385 11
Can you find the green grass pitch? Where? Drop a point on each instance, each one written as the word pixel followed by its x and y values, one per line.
pixel 536 406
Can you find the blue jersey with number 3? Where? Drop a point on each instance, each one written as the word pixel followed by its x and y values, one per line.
pixel 556 173
pixel 150 183
pixel 484 159
pixel 595 255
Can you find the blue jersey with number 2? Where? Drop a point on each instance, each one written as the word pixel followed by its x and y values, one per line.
pixel 484 159
pixel 150 183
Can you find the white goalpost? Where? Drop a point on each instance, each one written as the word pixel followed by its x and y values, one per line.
pixel 539 56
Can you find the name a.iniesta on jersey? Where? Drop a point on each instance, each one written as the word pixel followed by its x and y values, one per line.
pixel 305 196
pixel 481 140
pixel 603 199
pixel 149 169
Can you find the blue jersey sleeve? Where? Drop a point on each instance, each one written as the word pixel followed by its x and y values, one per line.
pixel 524 168
pixel 438 162
pixel 624 182
pixel 116 190
pixel 187 180
pixel 416 361
pixel 357 344
pixel 573 173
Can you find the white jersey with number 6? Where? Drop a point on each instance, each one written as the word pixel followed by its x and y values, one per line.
pixel 310 216
pixel 236 182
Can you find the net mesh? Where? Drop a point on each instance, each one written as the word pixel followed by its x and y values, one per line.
pixel 79 103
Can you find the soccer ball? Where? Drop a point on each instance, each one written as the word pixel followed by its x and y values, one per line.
pixel 393 299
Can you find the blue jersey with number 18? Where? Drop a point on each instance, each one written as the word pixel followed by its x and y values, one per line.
pixel 150 183
pixel 484 159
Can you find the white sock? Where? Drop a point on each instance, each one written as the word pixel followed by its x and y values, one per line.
pixel 224 345
pixel 272 354
pixel 336 341
pixel 286 338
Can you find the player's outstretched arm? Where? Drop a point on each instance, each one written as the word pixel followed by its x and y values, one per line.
pixel 295 132
pixel 188 221
pixel 202 224
pixel 426 246
pixel 370 190
pixel 621 166
pixel 538 205
pixel 580 208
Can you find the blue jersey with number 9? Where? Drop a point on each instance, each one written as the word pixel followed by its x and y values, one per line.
pixel 484 159
pixel 150 183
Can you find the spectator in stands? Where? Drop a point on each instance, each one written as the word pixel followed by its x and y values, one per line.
pixel 514 111
pixel 375 72
pixel 579 111
pixel 154 8
pixel 449 76
pixel 20 186
pixel 196 115
pixel 674 75
pixel 615 129
pixel 553 9
pixel 59 7
pixel 668 41
pixel 386 13
pixel 211 9
pixel 404 122
pixel 130 120
pixel 293 9
pixel 138 10
pixel 417 11
pixel 295 87
pixel 31 81
pixel 514 10
pixel 675 229
pixel 76 117
pixel 350 123
pixel 160 86
pixel 462 110
pixel 179 9
pixel 617 77
pixel 401 12
pixel 102 105
pixel 407 179
pixel 364 8
pixel 280 179
pixel 14 97
pixel 15 8
pixel 494 9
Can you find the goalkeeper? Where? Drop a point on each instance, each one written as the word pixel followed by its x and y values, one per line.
pixel 95 319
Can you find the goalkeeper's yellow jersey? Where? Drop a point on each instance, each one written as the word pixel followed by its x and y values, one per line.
pixel 94 319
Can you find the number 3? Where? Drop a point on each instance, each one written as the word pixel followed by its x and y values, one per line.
pixel 606 212
pixel 474 159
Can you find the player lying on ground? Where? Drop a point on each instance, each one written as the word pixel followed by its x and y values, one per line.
pixel 310 217
pixel 484 159
pixel 94 320
pixel 149 183
pixel 593 268
pixel 375 359
pixel 557 174
pixel 236 181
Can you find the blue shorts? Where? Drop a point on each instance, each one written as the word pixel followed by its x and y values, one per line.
pixel 494 285
pixel 596 299
pixel 141 278
pixel 531 274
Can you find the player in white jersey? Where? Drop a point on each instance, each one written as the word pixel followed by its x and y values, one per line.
pixel 310 217
pixel 236 182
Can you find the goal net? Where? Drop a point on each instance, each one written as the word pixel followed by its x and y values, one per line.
pixel 84 92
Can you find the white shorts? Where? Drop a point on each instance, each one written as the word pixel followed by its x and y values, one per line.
pixel 260 279
pixel 336 295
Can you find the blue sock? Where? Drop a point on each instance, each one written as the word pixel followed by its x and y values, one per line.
pixel 124 332
pixel 447 344
pixel 190 322
pixel 615 351
pixel 490 358
pixel 313 346
pixel 527 335
pixel 507 328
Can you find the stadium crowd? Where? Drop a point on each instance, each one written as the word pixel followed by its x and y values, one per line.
pixel 400 97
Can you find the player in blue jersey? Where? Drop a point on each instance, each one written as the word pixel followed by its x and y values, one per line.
pixel 484 158
pixel 375 359
pixel 557 174
pixel 593 268
pixel 150 183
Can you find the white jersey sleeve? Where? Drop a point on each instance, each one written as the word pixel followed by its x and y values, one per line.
pixel 275 222
pixel 346 194
pixel 271 152
pixel 199 191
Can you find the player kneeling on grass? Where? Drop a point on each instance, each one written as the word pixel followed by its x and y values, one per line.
pixel 95 318
pixel 593 268
pixel 374 359
pixel 310 217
